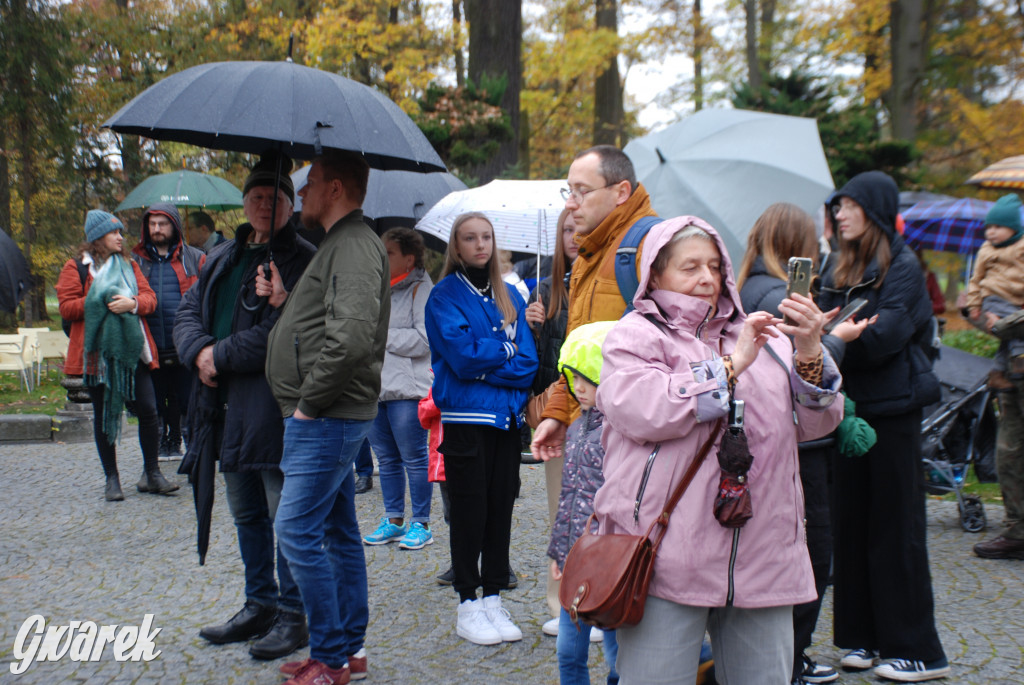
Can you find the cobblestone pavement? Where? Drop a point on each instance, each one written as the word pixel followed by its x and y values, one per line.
pixel 67 554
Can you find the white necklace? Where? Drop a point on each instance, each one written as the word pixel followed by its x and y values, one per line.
pixel 483 290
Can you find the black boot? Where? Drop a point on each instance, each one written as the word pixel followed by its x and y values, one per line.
pixel 164 450
pixel 143 484
pixel 254 620
pixel 288 634
pixel 364 484
pixel 113 493
pixel 156 484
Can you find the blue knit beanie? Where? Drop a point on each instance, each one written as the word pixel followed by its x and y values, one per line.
pixel 99 223
pixel 1005 212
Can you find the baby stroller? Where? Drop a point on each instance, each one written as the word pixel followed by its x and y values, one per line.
pixel 960 430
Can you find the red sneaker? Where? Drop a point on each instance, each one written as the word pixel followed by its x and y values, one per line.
pixel 313 672
pixel 356 666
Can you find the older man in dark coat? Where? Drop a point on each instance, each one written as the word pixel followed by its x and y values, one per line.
pixel 221 334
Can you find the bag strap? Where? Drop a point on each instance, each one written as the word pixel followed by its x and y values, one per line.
pixel 677 494
pixel 625 258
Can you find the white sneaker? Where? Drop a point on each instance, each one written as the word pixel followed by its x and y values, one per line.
pixel 550 627
pixel 473 625
pixel 596 635
pixel 500 619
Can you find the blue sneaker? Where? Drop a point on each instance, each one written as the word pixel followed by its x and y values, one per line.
pixel 418 537
pixel 386 532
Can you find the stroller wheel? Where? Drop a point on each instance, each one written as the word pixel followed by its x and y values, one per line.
pixel 972 514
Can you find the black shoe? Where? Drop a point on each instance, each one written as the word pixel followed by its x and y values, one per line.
pixel 156 484
pixel 364 484
pixel 513 579
pixel 288 634
pixel 446 578
pixel 143 484
pixel 254 620
pixel 112 492
pixel 162 450
pixel 173 448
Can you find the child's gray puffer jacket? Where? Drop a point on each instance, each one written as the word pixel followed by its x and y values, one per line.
pixel 581 477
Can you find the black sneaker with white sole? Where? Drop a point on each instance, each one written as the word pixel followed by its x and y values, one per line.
pixel 817 673
pixel 908 671
pixel 859 659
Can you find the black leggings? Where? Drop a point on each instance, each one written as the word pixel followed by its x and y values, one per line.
pixel 481 466
pixel 143 407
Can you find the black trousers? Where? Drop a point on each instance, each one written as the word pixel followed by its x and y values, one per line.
pixel 815 465
pixel 481 466
pixel 882 583
pixel 172 384
pixel 144 407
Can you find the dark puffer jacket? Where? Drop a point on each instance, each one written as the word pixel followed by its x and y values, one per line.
pixel 885 371
pixel 169 275
pixel 581 478
pixel 549 337
pixel 252 427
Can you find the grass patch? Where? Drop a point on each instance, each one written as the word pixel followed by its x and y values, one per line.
pixel 973 341
pixel 988 492
pixel 46 398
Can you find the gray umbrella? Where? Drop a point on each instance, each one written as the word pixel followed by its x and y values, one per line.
pixel 15 279
pixel 397 198
pixel 250 106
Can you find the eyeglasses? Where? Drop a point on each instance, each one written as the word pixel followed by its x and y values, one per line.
pixel 578 195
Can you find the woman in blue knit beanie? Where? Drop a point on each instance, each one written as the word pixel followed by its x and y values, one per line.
pixel 104 296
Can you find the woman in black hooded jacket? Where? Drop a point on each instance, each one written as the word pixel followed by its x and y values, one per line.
pixel 883 606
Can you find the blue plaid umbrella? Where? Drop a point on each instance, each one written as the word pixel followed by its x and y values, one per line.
pixel 947 226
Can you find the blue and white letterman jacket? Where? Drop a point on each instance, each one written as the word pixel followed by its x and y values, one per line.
pixel 479 375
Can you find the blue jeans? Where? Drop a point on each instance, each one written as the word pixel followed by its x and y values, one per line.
pixel 253 498
pixel 573 648
pixel 364 461
pixel 319 534
pixel 400 443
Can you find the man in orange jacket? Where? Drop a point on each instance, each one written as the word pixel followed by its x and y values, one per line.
pixel 605 200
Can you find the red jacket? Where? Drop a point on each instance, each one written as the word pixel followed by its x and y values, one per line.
pixel 430 419
pixel 71 295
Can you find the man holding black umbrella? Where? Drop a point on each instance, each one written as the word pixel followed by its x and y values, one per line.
pixel 324 362
pixel 221 334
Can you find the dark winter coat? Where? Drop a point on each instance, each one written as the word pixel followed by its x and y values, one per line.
pixel 169 275
pixel 252 427
pixel 885 370
pixel 549 338
pixel 581 478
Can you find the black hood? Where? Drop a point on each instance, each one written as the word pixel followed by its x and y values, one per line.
pixel 878 196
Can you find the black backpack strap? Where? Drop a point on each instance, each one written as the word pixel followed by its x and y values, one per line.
pixel 83 271
pixel 625 258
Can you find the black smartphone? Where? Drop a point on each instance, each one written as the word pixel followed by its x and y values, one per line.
pixel 798 278
pixel 845 313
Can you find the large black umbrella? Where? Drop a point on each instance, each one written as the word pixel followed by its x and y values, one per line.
pixel 15 279
pixel 250 106
pixel 256 106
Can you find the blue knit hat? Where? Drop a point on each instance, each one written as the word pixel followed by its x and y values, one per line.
pixel 99 223
pixel 1005 212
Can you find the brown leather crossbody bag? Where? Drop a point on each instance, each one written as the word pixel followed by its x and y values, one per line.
pixel 605 577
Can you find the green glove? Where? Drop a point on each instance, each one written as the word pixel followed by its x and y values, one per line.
pixel 854 436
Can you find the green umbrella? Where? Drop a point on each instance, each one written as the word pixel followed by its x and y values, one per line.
pixel 185 189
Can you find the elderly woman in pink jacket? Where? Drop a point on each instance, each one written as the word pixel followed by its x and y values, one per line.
pixel 672 368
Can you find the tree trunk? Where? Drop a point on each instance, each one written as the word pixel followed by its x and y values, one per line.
pixel 460 60
pixel 698 57
pixel 5 182
pixel 27 182
pixel 907 59
pixel 495 50
pixel 753 63
pixel 608 114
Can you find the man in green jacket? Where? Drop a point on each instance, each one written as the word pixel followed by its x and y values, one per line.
pixel 324 361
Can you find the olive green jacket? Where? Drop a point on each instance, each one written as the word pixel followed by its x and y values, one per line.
pixel 325 353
